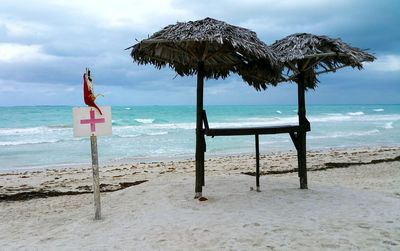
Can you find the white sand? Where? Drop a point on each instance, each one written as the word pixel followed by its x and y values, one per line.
pixel 347 208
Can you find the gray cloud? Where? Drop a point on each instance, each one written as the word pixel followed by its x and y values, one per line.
pixel 77 34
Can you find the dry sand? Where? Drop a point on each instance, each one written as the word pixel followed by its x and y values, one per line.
pixel 353 202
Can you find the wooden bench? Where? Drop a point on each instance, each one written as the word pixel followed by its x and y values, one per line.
pixel 293 130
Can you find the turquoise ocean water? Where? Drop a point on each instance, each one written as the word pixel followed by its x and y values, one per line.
pixel 36 137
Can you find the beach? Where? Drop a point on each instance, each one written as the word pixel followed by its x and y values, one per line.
pixel 171 125
pixel 352 203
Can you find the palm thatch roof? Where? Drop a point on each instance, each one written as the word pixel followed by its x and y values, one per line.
pixel 222 47
pixel 307 53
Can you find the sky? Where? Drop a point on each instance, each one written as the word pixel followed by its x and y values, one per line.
pixel 46 45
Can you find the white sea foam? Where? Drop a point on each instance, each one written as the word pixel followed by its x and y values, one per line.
pixel 145 121
pixel 147 127
pixel 60 126
pixel 331 118
pixel 328 117
pixel 157 133
pixel 21 131
pixel 355 113
pixel 378 110
pixel 128 135
pixel 345 134
pixel 388 125
pixel 26 142
pixel 372 118
pixel 33 130
pixel 185 126
pixel 365 118
pixel 141 134
pixel 127 108
pixel 272 121
pixel 259 121
pixel 279 112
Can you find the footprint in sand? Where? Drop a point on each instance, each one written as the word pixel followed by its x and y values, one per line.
pixel 252 224
pixel 197 229
pixel 364 225
pixel 389 242
pixel 277 230
pixel 385 234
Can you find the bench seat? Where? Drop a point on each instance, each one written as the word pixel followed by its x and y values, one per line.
pixel 234 131
pixel 252 130
pixel 292 130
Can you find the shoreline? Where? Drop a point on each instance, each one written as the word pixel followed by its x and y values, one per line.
pixel 156 159
pixel 49 182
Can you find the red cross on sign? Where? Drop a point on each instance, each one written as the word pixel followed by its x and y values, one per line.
pixel 88 121
pixel 92 121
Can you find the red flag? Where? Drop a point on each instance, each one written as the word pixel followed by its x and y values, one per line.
pixel 88 95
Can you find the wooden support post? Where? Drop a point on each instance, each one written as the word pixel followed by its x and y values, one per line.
pixel 303 122
pixel 199 132
pixel 303 161
pixel 257 163
pixel 96 181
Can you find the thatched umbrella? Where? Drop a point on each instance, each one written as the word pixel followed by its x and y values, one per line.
pixel 210 49
pixel 306 56
pixel 307 53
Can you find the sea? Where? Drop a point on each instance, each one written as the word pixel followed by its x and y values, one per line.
pixel 42 136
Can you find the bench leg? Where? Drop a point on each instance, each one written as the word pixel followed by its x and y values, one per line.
pixel 257 163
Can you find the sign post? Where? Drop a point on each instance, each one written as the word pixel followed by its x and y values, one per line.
pixel 96 181
pixel 88 121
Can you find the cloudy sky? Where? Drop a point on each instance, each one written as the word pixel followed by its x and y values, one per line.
pixel 46 45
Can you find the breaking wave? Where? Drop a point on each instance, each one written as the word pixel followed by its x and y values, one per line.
pixel 345 134
pixel 33 130
pixel 145 121
pixel 355 113
pixel 27 142
pixel 388 125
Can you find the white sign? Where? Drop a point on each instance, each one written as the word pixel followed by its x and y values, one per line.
pixel 88 121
